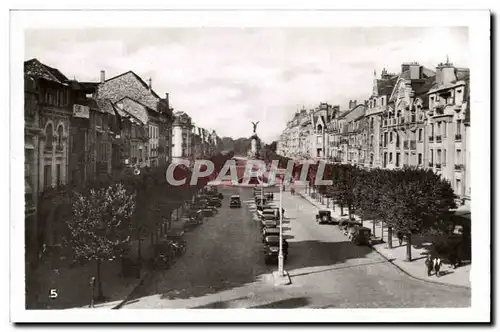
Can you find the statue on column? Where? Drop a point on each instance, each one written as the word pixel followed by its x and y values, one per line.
pixel 255 126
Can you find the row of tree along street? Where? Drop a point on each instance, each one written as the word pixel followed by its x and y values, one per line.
pixel 412 201
pixel 98 220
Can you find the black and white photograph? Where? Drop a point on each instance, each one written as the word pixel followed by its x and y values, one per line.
pixel 198 160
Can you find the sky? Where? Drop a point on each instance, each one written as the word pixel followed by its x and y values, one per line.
pixel 226 77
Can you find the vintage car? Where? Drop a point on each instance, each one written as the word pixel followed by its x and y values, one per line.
pixel 362 236
pixel 192 218
pixel 261 208
pixel 269 196
pixel 215 201
pixel 351 227
pixel 259 201
pixel 272 247
pixel 266 231
pixel 268 221
pixel 213 191
pixel 324 217
pixel 269 212
pixel 235 201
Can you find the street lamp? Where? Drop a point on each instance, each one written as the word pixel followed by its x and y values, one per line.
pixel 280 255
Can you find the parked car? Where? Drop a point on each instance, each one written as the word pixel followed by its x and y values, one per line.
pixel 271 248
pixel 269 221
pixel 267 231
pixel 362 236
pixel 215 201
pixel 269 212
pixel 324 217
pixel 235 201
pixel 351 228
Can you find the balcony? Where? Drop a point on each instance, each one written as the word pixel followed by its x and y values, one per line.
pixel 405 145
pixel 440 109
pixel 438 139
pixel 431 164
pixel 431 138
pixel 459 167
pixel 438 166
pixel 413 145
pixel 458 137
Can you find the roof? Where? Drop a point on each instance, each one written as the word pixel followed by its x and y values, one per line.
pixel 421 88
pixel 88 87
pixel 385 86
pixel 35 68
pixel 343 115
pixel 138 78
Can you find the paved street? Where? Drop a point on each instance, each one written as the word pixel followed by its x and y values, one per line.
pixel 224 268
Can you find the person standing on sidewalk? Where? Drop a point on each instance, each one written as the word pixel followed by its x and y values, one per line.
pixel 429 264
pixel 400 237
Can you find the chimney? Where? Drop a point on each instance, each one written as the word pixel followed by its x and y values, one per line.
pixel 405 67
pixel 445 73
pixel 414 71
pixel 168 101
pixel 103 76
pixel 352 103
pixel 150 83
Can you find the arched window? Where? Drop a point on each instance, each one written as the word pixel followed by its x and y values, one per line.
pixel 60 133
pixel 49 136
pixel 320 128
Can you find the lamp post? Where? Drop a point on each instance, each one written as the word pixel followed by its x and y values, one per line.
pixel 280 255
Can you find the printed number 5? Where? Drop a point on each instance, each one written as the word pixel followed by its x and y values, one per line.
pixel 53 293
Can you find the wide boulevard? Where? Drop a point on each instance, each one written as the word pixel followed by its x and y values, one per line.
pixel 224 268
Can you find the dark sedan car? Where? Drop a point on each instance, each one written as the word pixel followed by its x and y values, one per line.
pixel 271 248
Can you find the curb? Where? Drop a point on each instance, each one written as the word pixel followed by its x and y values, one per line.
pixel 391 260
pixel 134 290
pixel 281 281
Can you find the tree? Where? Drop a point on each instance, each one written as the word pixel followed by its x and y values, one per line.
pixel 419 200
pixel 101 225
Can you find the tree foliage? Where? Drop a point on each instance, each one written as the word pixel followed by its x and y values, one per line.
pixel 102 222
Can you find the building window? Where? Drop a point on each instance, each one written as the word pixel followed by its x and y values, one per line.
pixel 406 158
pixel 444 156
pixel 60 133
pixel 390 136
pixel 439 127
pixel 58 174
pixel 458 187
pixel 49 137
pixel 459 156
pixel 420 159
pixel 444 128
pixel 459 127
pixel 47 176
pixel 390 157
pixel 397 159
pixel 432 129
pixel 420 131
pixel 431 154
pixel 438 156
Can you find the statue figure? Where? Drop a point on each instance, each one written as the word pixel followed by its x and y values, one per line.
pixel 255 126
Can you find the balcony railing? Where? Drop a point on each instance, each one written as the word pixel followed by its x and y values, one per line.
pixel 405 144
pixel 431 138
pixel 438 139
pixel 458 137
pixel 413 145
pixel 459 167
pixel 438 165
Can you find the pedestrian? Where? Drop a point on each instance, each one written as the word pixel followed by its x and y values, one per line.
pixel 400 237
pixel 429 265
pixel 437 265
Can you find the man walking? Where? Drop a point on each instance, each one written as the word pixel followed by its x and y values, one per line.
pixel 437 265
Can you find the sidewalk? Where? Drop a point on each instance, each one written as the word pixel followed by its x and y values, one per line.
pixel 397 255
pixel 72 285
